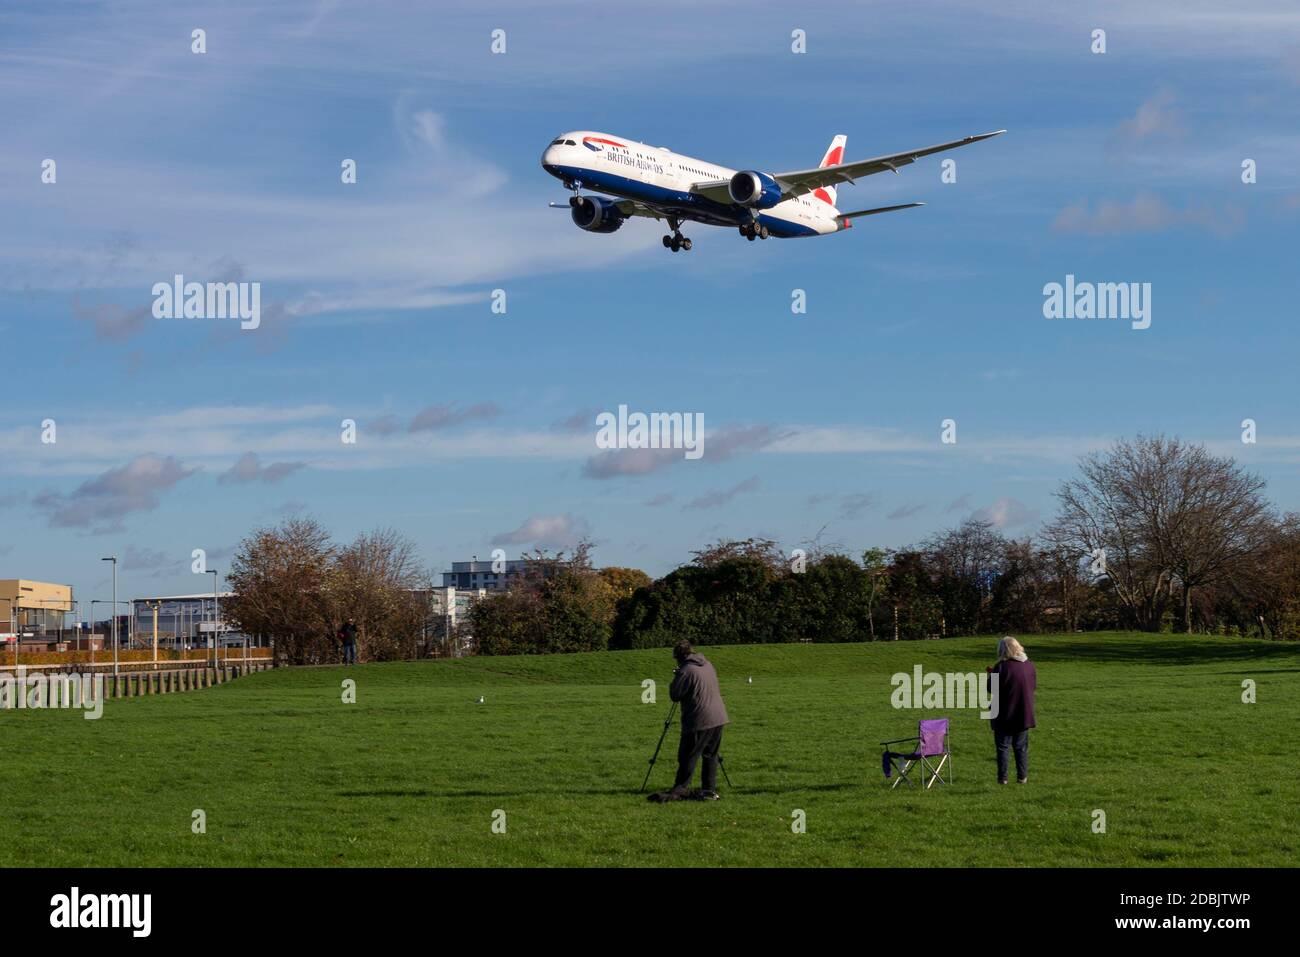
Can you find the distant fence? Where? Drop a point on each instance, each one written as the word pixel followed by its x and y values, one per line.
pixel 145 683
pixel 131 662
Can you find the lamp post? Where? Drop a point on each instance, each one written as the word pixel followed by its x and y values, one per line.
pixel 216 619
pixel 93 603
pixel 13 626
pixel 113 559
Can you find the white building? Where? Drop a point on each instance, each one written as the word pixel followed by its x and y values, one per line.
pixel 474 575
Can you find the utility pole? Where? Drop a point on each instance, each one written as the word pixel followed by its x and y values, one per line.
pixel 113 559
pixel 216 620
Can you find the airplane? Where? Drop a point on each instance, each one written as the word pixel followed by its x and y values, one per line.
pixel 654 181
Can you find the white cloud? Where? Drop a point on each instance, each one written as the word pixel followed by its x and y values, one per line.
pixel 1008 513
pixel 1146 213
pixel 546 531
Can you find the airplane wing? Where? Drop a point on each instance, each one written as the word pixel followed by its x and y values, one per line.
pixel 802 181
pixel 714 189
pixel 628 207
pixel 845 217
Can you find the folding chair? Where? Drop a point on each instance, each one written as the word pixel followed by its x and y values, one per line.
pixel 931 742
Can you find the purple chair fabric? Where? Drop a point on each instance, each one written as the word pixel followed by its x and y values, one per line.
pixel 932 733
pixel 931 742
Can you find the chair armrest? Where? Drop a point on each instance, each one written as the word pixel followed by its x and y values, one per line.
pixel 898 741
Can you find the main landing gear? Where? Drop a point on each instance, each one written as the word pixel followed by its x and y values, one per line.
pixel 676 241
pixel 752 231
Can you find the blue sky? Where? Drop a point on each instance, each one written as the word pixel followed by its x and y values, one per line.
pixel 1122 167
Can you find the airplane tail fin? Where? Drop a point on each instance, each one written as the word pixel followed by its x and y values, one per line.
pixel 834 156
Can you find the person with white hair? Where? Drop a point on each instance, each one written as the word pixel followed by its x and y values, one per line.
pixel 1017 682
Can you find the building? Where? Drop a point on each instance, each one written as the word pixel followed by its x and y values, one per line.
pixel 475 574
pixel 449 606
pixel 33 613
pixel 182 620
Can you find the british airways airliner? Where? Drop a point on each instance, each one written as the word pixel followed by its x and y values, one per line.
pixel 654 181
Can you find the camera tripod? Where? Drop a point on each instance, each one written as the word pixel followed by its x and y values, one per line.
pixel 668 723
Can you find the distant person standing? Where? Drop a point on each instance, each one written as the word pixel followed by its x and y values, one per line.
pixel 695 688
pixel 349 635
pixel 1017 682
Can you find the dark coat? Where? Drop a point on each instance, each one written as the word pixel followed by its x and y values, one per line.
pixel 695 687
pixel 1017 681
pixel 348 634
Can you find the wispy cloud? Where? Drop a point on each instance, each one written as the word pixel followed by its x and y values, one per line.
pixel 961 504
pixel 904 511
pixel 103 502
pixel 720 497
pixel 1145 213
pixel 249 468
pixel 1155 117
pixel 445 416
pixel 720 446
pixel 854 504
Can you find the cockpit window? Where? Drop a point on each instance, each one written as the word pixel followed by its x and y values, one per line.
pixel 570 143
pixel 559 142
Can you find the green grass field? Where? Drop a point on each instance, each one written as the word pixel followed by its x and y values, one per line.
pixel 1149 729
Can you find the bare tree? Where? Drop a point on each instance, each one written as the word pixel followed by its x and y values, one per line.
pixel 377 581
pixel 1158 512
pixel 1064 567
pixel 964 563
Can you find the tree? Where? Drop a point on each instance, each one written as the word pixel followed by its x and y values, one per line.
pixel 1019 596
pixel 1264 594
pixel 1063 571
pixel 377 582
pixel 964 563
pixel 875 563
pixel 558 604
pixel 1158 512
pixel 762 550
pixel 279 577
pixel 623 582
pixel 910 593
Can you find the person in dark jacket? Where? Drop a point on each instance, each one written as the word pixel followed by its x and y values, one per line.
pixel 1017 682
pixel 348 634
pixel 695 688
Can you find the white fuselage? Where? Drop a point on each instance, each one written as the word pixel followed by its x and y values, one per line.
pixel 663 179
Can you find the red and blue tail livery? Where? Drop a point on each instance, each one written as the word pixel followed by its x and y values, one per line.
pixel 629 178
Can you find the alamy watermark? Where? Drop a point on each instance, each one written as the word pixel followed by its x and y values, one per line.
pixel 950 690
pixel 213 300
pixel 654 430
pixel 76 909
pixel 38 691
pixel 1102 300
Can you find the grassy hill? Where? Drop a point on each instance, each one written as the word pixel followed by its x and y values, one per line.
pixel 1149 729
